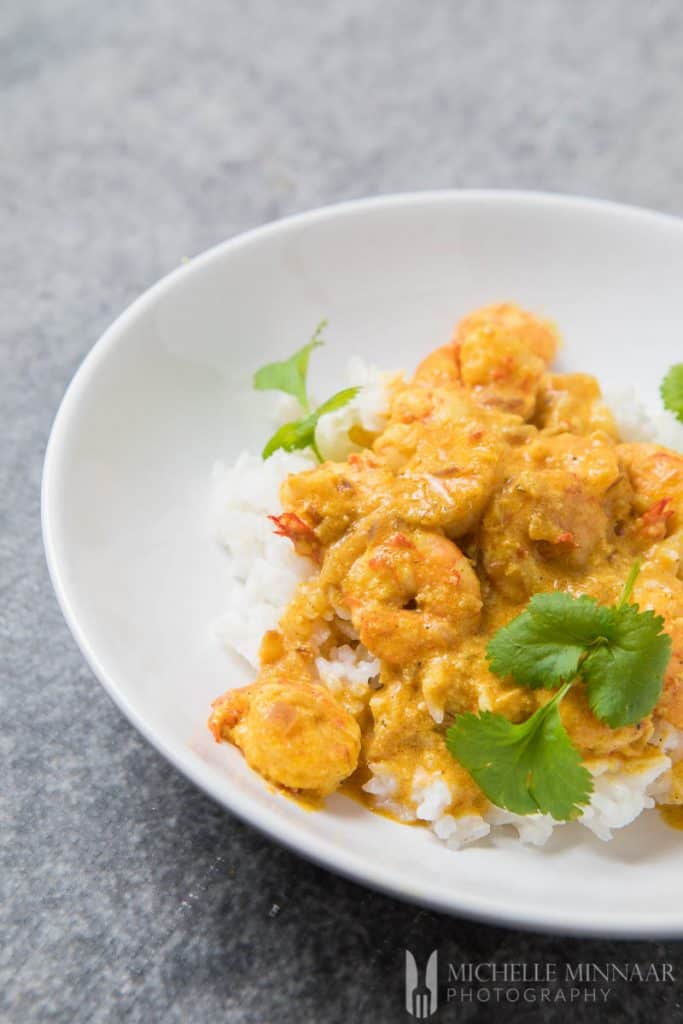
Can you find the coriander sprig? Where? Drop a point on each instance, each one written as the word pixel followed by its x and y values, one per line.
pixel 671 390
pixel 618 652
pixel 290 376
pixel 301 433
pixel 527 768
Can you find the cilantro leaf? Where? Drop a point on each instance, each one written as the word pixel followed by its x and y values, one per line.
pixel 671 390
pixel 544 645
pixel 301 433
pixel 290 375
pixel 620 652
pixel 337 401
pixel 526 768
pixel 624 674
pixel 621 655
pixel 292 436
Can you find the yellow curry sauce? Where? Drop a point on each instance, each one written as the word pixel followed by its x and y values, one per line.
pixel 672 814
pixel 494 479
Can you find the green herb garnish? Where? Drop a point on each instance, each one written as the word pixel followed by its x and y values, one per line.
pixel 527 768
pixel 671 390
pixel 620 654
pixel 301 433
pixel 290 376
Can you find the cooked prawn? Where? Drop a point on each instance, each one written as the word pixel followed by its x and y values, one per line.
pixel 561 500
pixel 664 595
pixel 290 728
pixel 539 336
pixel 656 475
pixel 503 354
pixel 329 498
pixel 445 465
pixel 410 593
pixel 440 368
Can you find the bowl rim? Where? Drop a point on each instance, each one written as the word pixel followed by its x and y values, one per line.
pixel 321 850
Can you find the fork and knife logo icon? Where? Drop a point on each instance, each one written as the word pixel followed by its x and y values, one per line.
pixel 422 991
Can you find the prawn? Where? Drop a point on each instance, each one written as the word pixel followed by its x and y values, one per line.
pixel 290 728
pixel 410 592
pixel 504 352
pixel 656 476
pixel 497 356
pixel 538 336
pixel 561 498
pixel 654 592
pixel 330 497
pixel 441 368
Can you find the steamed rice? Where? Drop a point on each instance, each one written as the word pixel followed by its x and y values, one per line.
pixel 264 572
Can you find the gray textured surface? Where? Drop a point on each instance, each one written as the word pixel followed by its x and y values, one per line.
pixel 133 134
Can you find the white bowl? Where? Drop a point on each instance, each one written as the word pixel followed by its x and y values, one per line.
pixel 166 391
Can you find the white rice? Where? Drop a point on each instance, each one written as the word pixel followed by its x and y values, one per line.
pixel 264 572
pixel 618 798
pixel 636 422
pixel 348 668
pixel 264 569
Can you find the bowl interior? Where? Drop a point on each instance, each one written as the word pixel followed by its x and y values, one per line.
pixel 167 391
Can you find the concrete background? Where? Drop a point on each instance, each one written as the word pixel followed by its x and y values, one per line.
pixel 135 133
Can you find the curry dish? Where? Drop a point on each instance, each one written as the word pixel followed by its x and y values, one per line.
pixel 494 479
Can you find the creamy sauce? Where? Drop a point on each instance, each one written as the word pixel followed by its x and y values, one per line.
pixel 672 815
pixel 494 479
